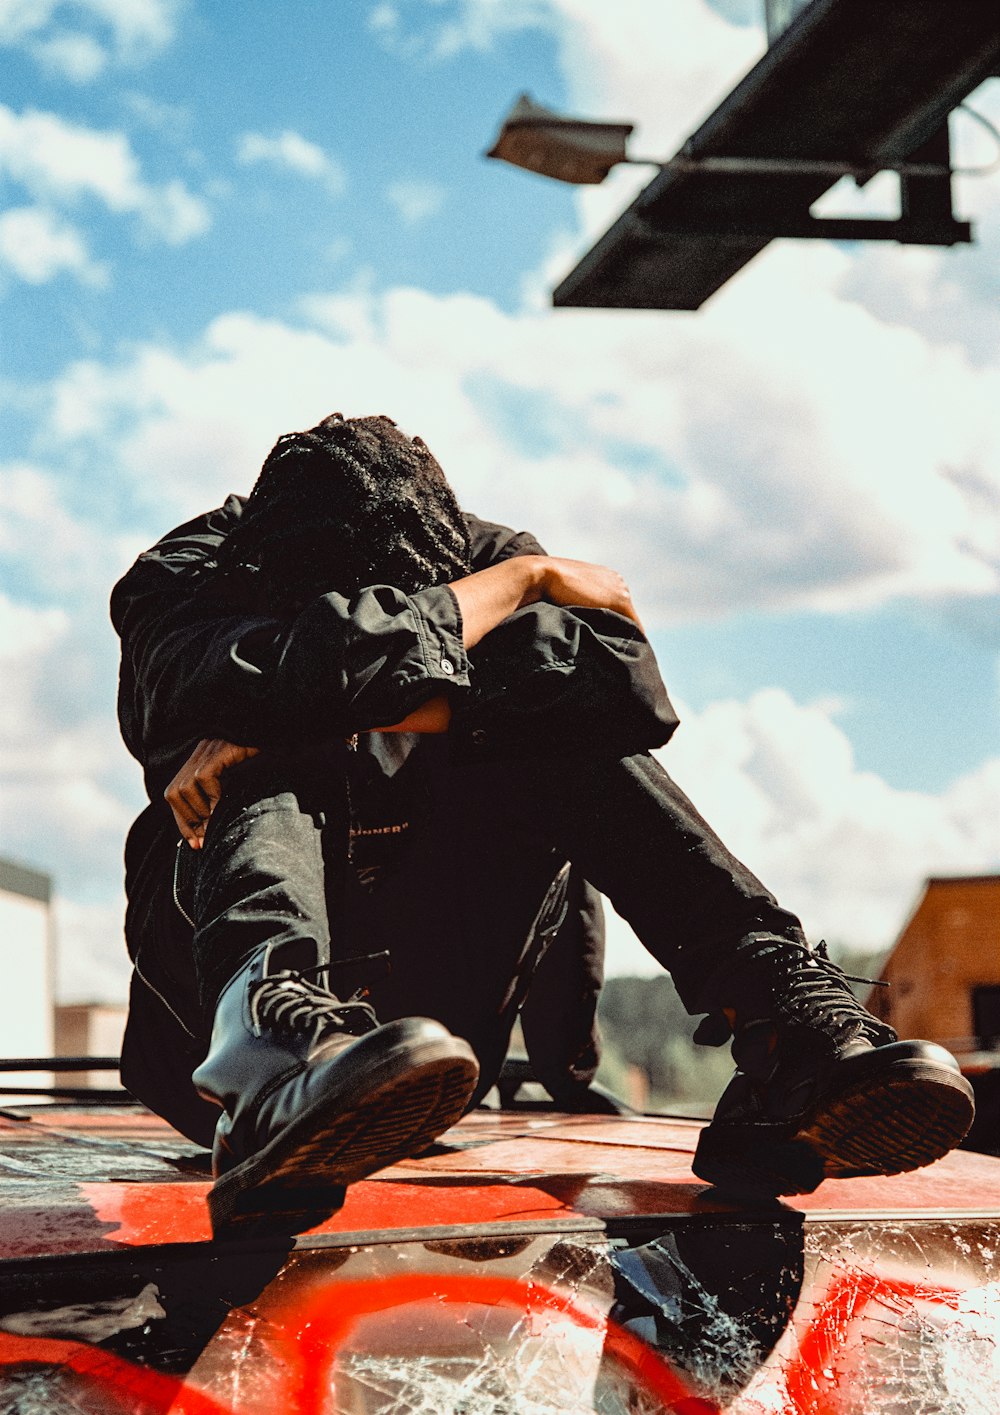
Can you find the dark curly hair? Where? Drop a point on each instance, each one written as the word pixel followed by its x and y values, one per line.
pixel 351 502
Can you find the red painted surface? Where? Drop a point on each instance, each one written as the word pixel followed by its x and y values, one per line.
pixel 513 1169
pixel 119 1384
pixel 301 1339
pixel 811 1380
pixel 516 1170
pixel 177 1213
pixel 304 1340
pixel 138 1214
pixel 307 1337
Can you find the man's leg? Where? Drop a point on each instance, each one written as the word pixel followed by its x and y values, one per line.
pixel 482 849
pixel 461 911
pixel 261 877
pixel 314 1092
pixel 639 840
pixel 823 1088
pixel 559 1015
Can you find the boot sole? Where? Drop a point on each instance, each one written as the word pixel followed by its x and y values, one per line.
pixel 415 1091
pixel 915 1117
pixel 913 1113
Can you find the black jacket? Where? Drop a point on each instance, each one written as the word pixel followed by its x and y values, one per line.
pixel 200 660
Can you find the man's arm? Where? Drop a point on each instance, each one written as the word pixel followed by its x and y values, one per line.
pixel 569 669
pixel 485 599
pixel 488 597
pixel 200 662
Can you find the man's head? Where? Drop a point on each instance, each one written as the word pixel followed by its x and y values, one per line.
pixel 351 502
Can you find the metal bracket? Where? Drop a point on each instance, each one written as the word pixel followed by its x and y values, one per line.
pixel 926 217
pixel 794 167
pixel 906 231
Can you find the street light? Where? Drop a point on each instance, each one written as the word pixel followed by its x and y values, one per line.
pixel 568 149
pixel 582 152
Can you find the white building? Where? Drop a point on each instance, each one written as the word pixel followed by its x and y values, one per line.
pixel 27 968
pixel 89 1029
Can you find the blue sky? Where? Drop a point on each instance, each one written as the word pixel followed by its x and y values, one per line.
pixel 219 224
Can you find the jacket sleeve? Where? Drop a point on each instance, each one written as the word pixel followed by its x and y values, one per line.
pixel 491 543
pixel 563 679
pixel 556 678
pixel 194 665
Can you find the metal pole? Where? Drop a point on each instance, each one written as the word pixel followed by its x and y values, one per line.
pixel 788 167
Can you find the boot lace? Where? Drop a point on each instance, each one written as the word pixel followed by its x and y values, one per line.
pixel 817 994
pixel 807 989
pixel 290 1002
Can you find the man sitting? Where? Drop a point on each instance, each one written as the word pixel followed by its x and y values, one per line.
pixel 395 740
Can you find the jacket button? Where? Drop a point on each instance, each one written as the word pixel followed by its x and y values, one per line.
pixel 447 666
pixel 478 737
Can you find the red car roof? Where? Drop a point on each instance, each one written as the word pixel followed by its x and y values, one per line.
pixel 104 1178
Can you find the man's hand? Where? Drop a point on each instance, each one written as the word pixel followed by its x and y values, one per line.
pixel 195 791
pixel 487 597
pixel 577 582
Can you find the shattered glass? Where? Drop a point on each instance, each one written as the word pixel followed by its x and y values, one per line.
pixel 714 1299
pixel 769 1317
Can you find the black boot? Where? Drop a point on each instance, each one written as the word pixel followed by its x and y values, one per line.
pixel 824 1090
pixel 315 1094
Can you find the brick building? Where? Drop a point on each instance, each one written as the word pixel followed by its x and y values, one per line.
pixel 944 971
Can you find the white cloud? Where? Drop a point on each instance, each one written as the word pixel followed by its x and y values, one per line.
pixel 292 152
pixel 67 787
pixel 37 245
pixel 665 61
pixel 77 57
pixel 61 809
pixel 52 157
pixel 46 552
pixel 79 39
pixel 839 846
pixel 138 26
pixel 383 18
pixel 171 119
pixel 416 201
pixel 714 476
pixel 430 29
pixel 947 296
pixel 662 66
pixel 64 162
pixel 172 213
pixel 204 420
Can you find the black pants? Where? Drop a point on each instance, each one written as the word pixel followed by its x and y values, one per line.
pixel 456 912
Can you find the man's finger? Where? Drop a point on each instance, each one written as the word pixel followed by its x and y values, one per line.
pixel 196 790
pixel 188 811
pixel 188 829
pixel 200 788
pixel 194 798
pixel 211 791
